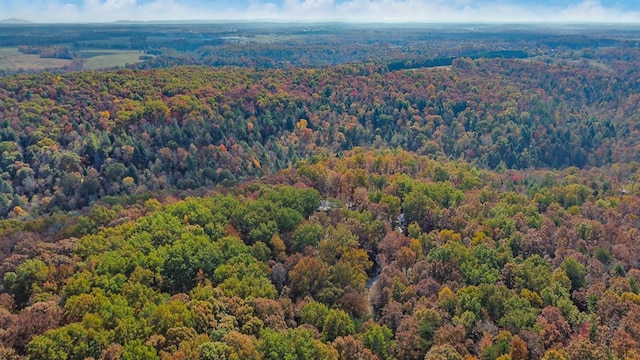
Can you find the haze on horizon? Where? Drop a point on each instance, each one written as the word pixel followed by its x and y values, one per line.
pixel 438 11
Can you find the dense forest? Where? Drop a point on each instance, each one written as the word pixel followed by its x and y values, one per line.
pixel 462 205
pixel 377 255
pixel 69 139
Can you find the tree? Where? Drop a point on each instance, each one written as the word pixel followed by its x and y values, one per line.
pixel 214 351
pixel 287 219
pixel 295 344
pixel 349 348
pixel 31 321
pixel 314 313
pixel 518 314
pixel 244 276
pixel 519 349
pixel 586 350
pixel 554 329
pixel 308 276
pixel 172 314
pixel 379 339
pixel 443 352
pixel 337 323
pixel 242 346
pixel 420 209
pixel 74 341
pixel 137 350
pixel 575 271
pixel 307 235
pixel 27 280
pixel 556 354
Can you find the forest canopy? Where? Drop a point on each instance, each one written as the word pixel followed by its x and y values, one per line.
pixel 482 208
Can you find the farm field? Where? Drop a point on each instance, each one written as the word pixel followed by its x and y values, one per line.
pixel 101 59
pixel 12 59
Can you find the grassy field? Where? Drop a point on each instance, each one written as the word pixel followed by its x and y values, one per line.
pixel 581 62
pixel 99 59
pixel 12 59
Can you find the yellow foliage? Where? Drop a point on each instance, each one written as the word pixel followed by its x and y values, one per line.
pixel 479 238
pixel 635 298
pixel 503 335
pixel 105 114
pixel 450 236
pixel 277 245
pixel 561 277
pixel 152 205
pixel 574 210
pixel 302 124
pixel 47 143
pixel 415 246
pixel 446 299
pixel 531 296
pixel 555 354
pixel 445 293
pixel 632 355
pixel 18 211
pixel 128 181
pixel 128 149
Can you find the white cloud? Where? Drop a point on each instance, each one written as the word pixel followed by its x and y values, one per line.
pixel 320 10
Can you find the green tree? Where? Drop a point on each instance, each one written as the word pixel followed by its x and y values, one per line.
pixel 214 351
pixel 314 313
pixel 575 271
pixel 307 235
pixel 244 276
pixel 171 314
pixel 27 280
pixel 295 344
pixel 337 323
pixel 419 208
pixel 184 258
pixel 287 219
pixel 379 339
pixel 135 350
pixel 73 341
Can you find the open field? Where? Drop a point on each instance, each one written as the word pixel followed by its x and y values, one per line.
pixel 12 59
pixel 100 59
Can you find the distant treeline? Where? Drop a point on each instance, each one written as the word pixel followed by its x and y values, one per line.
pixel 52 52
pixel 447 61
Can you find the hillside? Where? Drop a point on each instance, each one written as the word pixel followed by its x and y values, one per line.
pixel 408 258
pixel 70 139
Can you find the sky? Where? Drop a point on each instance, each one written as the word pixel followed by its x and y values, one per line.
pixel 437 11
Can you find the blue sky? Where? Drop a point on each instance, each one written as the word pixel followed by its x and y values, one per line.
pixel 561 11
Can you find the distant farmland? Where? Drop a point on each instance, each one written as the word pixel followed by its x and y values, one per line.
pixel 13 60
pixel 99 59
